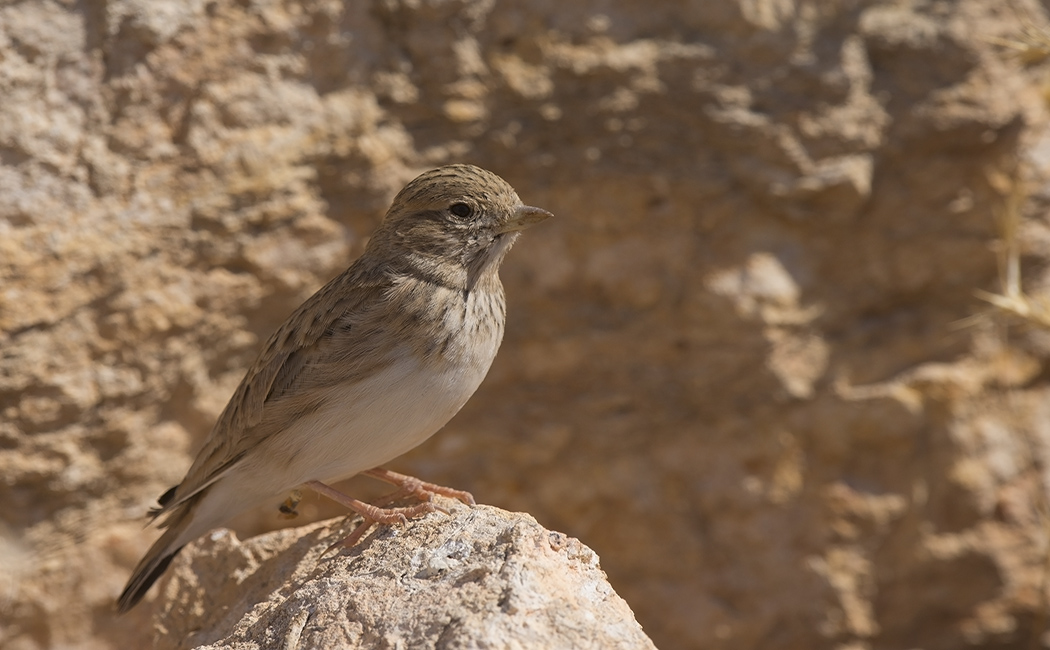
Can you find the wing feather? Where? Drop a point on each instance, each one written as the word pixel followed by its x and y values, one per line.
pixel 275 375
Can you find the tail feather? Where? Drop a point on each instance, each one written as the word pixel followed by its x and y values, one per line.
pixel 158 557
pixel 142 580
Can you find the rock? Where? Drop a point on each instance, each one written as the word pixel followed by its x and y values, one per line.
pixel 481 577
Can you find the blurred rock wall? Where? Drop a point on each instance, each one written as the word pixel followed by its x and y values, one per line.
pixel 745 364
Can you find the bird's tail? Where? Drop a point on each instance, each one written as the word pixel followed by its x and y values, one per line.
pixel 158 557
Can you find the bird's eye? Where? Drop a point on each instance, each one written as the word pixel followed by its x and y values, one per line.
pixel 461 210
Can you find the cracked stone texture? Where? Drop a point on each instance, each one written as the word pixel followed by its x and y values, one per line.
pixel 480 578
pixel 745 364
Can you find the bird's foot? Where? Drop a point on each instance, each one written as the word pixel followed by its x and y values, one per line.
pixel 418 488
pixel 369 511
pixel 372 514
pixel 353 538
pixel 408 486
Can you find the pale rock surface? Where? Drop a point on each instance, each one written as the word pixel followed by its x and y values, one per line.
pixel 480 578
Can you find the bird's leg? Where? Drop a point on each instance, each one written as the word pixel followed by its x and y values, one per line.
pixel 412 485
pixel 372 514
pixel 378 515
pixel 366 523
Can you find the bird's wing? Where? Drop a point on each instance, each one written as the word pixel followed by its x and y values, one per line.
pixel 301 342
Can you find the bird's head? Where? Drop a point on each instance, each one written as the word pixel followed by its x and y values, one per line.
pixel 456 221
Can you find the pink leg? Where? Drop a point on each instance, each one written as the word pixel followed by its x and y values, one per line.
pixel 412 485
pixel 366 523
pixel 372 514
pixel 379 515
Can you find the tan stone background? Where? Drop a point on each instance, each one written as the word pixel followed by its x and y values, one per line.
pixel 743 364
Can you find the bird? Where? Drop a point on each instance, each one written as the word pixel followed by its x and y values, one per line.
pixel 367 368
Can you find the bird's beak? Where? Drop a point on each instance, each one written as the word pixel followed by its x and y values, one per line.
pixel 524 217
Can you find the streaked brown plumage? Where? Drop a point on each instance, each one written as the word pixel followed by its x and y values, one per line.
pixel 368 367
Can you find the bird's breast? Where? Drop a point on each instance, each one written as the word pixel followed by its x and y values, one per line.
pixel 429 375
pixel 471 331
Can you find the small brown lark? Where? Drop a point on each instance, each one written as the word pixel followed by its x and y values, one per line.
pixel 367 368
